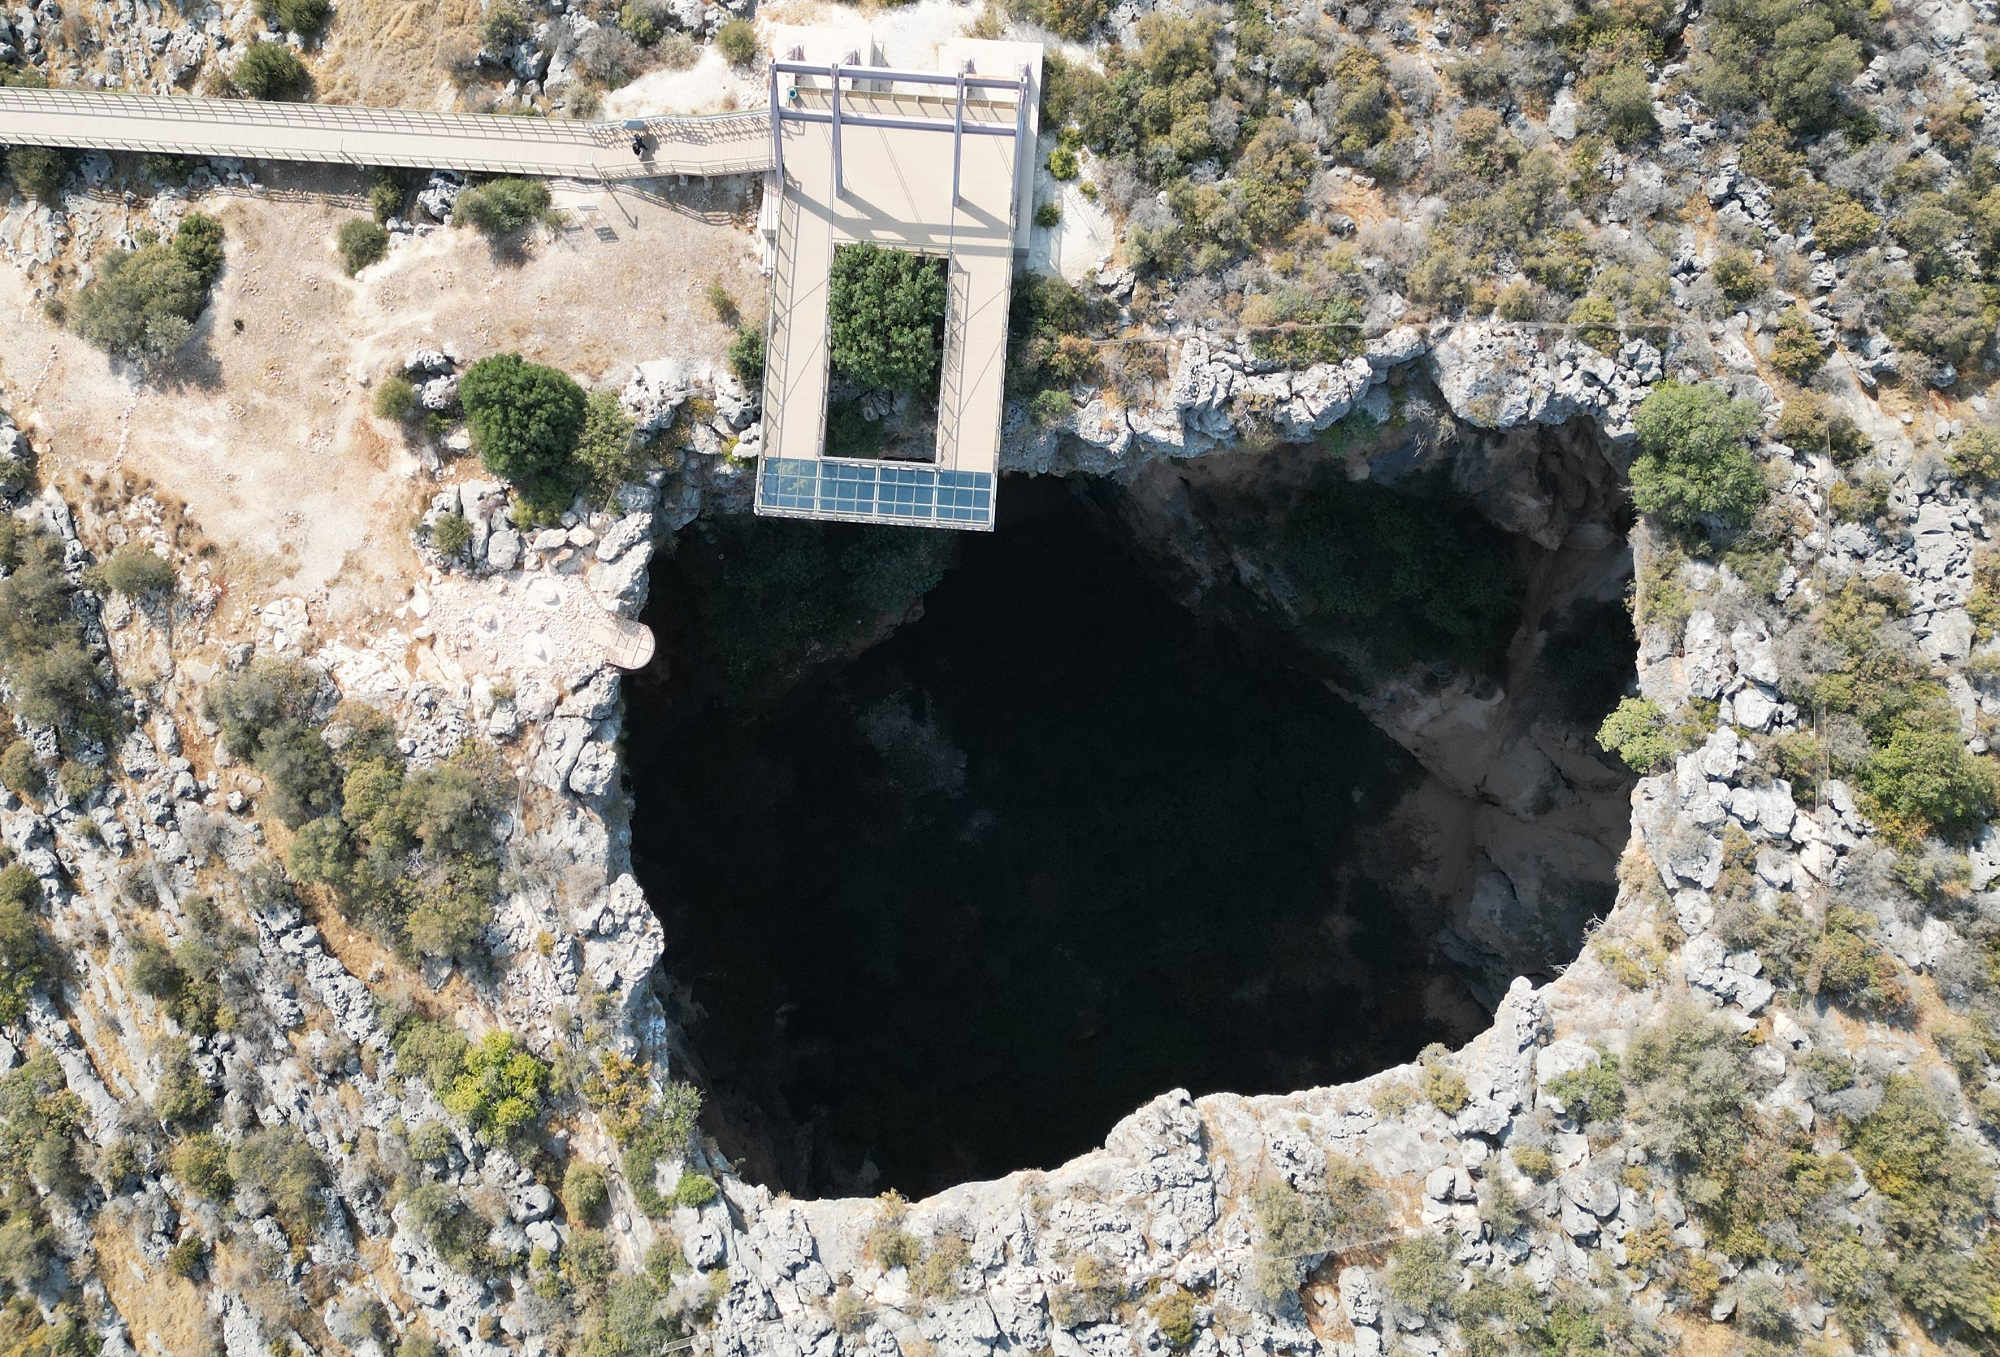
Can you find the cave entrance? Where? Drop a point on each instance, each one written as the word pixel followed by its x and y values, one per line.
pixel 948 898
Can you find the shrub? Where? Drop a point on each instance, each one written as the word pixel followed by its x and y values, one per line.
pixel 1443 1087
pixel 441 1217
pixel 38 171
pixel 501 207
pixel 19 772
pixel 1926 781
pixel 307 18
pixel 504 24
pixel 430 1140
pixel 1740 276
pixel 586 1193
pixel 1951 320
pixel 44 655
pixel 385 196
pixel 201 1162
pixel 1534 1161
pixel 270 70
pixel 266 713
pixel 525 419
pixel 605 455
pixel 138 571
pixel 182 1096
pixel 23 946
pixel 746 355
pixel 1795 348
pixel 1851 969
pixel 1048 214
pixel 188 1259
pixel 362 242
pixel 1622 98
pixel 433 1051
pixel 500 1091
pixel 1693 461
pixel 1592 1094
pixel 737 42
pixel 451 535
pixel 1422 1277
pixel 1807 423
pixel 395 399
pixel 886 317
pixel 1173 1313
pixel 1975 455
pixel 1063 163
pixel 890 1244
pixel 279 1163
pixel 1685 1088
pixel 695 1189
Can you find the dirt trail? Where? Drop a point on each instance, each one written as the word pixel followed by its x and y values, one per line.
pixel 265 430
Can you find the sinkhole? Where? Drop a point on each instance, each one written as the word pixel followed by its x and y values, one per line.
pixel 965 846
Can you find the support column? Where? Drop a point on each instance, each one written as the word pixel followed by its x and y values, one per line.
pixel 777 130
pixel 957 137
pixel 839 181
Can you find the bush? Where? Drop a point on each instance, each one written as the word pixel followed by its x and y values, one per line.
pixel 1806 423
pixel 1694 463
pixel 1740 276
pixel 1062 163
pixel 385 196
pixel 1048 214
pixel 886 317
pixel 395 399
pixel 1975 455
pixel 1622 99
pixel 19 773
pixel 441 1217
pixel 451 535
pixel 737 42
pixel 270 70
pixel 1686 1088
pixel 23 946
pixel 695 1189
pixel 38 171
pixel 307 18
pixel 504 24
pixel 605 456
pixel 1443 1087
pixel 746 355
pixel 586 1193
pixel 1422 1277
pixel 1926 782
pixel 201 1162
pixel 362 242
pixel 188 1259
pixel 1795 348
pixel 137 571
pixel 502 206
pixel 267 714
pixel 500 1090
pixel 525 419
pixel 280 1164
pixel 44 655
pixel 1592 1094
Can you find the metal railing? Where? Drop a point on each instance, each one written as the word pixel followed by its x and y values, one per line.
pixel 951 390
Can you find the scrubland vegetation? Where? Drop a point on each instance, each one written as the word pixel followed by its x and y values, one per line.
pixel 145 303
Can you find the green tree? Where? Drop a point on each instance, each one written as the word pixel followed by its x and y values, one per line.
pixel 23 946
pixel 1637 733
pixel 525 420
pixel 362 242
pixel 746 355
pixel 1694 462
pixel 500 1091
pixel 138 571
pixel 307 18
pixel 887 317
pixel 270 70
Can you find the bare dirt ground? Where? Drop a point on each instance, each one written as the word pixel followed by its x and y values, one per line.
pixel 265 431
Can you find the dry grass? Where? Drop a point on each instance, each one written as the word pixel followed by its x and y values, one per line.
pixel 159 1305
pixel 396 53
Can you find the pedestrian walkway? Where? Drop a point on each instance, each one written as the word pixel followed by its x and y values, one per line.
pixel 728 143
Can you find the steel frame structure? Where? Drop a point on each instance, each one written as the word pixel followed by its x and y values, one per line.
pixel 835 72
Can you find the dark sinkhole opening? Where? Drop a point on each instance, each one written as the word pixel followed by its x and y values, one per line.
pixel 949 892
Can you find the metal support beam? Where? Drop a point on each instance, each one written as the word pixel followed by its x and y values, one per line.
pixel 839 182
pixel 849 118
pixel 777 131
pixel 957 138
pixel 891 73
